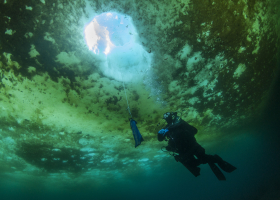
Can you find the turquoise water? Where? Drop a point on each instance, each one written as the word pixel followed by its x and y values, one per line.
pixel 256 177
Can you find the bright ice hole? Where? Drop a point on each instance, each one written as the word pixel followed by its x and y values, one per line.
pixel 113 37
pixel 107 31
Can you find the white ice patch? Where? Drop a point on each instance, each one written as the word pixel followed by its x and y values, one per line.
pixel 107 159
pixel 31 69
pixel 10 62
pixel 56 150
pixel 202 77
pixel 84 141
pixel 193 60
pixel 67 58
pixel 49 38
pixel 9 31
pixel 127 160
pixel 240 69
pixel 33 53
pixel 61 133
pixel 256 49
pixel 174 86
pixel 214 118
pixel 87 149
pixel 28 8
pixel 43 1
pixel 11 129
pixel 30 168
pixel 143 159
pixel 193 100
pixel 203 83
pixel 9 142
pixel 210 86
pixel 29 34
pixel 94 77
pixel 206 34
pixel 256 26
pixel 91 154
pixel 185 52
pixel 235 86
pixel 241 49
pixel 249 38
pixel 192 114
pixel 191 90
pixel 60 6
pixel 110 151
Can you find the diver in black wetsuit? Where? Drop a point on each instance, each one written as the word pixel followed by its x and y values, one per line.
pixel 181 141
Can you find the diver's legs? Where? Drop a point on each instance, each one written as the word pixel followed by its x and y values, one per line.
pixel 190 163
pixel 202 158
pixel 217 171
pixel 222 164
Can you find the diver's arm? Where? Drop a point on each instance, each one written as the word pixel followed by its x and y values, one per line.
pixel 160 137
pixel 162 134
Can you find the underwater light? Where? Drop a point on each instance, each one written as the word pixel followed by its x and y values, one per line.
pixel 114 39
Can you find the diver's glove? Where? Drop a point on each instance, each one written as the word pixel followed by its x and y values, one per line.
pixel 163 131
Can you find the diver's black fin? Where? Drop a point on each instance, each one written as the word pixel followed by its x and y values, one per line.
pixel 217 171
pixel 193 169
pixel 224 165
pixel 227 167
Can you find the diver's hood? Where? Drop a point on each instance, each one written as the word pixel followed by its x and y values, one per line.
pixel 171 117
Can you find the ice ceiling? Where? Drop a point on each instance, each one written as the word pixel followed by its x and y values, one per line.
pixel 62 102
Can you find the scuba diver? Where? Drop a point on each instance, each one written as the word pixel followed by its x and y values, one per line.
pixel 182 143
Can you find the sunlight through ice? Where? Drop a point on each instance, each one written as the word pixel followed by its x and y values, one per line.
pixel 113 38
pixel 107 31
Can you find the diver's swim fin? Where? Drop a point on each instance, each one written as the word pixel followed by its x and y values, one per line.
pixel 193 169
pixel 136 133
pixel 217 171
pixel 224 165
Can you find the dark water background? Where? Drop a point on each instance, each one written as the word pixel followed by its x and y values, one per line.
pixel 255 152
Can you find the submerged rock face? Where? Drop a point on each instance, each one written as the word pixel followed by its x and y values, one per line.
pixel 212 62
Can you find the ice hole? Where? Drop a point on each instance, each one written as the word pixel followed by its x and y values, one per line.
pixel 114 38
